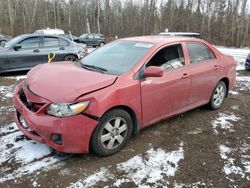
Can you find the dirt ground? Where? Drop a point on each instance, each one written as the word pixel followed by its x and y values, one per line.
pixel 199 148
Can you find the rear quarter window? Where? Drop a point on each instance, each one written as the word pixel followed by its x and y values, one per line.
pixel 199 52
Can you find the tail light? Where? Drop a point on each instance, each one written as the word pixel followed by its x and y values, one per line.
pixel 85 51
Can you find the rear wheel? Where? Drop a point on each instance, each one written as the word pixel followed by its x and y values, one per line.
pixel 101 44
pixel 113 132
pixel 218 95
pixel 70 58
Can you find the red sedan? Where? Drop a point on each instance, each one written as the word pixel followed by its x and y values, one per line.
pixel 117 90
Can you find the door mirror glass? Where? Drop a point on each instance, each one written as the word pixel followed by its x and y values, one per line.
pixel 153 71
pixel 17 47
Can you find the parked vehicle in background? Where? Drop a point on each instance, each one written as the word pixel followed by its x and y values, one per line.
pixel 92 39
pixel 4 39
pixel 68 36
pixel 119 89
pixel 50 31
pixel 247 63
pixel 29 50
pixel 180 34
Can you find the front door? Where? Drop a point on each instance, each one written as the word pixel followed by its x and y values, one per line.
pixel 27 56
pixel 167 95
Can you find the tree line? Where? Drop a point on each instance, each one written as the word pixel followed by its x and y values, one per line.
pixel 222 22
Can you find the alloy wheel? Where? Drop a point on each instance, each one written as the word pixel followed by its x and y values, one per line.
pixel 114 133
pixel 219 95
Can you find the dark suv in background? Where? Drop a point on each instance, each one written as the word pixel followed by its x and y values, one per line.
pixel 26 51
pixel 92 39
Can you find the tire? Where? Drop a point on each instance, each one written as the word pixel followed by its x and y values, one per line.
pixel 2 42
pixel 218 95
pixel 70 58
pixel 113 133
pixel 101 44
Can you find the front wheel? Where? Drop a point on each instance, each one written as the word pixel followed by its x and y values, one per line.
pixel 113 133
pixel 218 95
pixel 2 43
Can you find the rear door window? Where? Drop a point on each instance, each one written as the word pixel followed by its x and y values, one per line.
pixel 90 36
pixel 97 36
pixel 199 52
pixel 50 42
pixel 63 42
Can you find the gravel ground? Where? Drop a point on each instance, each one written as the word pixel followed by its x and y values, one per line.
pixel 200 148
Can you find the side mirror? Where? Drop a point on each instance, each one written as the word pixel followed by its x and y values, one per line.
pixel 153 71
pixel 17 47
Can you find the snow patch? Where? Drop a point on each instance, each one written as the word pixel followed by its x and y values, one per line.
pixel 224 122
pixel 6 91
pixel 192 185
pixel 235 107
pixel 230 164
pixel 5 129
pixel 28 156
pixel 92 180
pixel 233 92
pixel 158 165
pixel 155 167
pixel 22 77
pixel 238 54
pixel 243 83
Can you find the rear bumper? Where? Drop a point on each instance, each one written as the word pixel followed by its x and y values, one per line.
pixel 75 131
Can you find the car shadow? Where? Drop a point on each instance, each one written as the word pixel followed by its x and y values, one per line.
pixel 19 73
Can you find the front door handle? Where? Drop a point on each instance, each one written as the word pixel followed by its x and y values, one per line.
pixel 185 75
pixel 216 67
pixel 61 48
pixel 36 51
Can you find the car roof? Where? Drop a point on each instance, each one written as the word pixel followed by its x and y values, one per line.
pixel 41 34
pixel 178 33
pixel 161 40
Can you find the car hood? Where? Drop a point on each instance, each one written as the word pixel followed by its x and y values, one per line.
pixel 64 81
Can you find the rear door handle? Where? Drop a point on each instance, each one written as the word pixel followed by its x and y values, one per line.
pixel 36 51
pixel 185 75
pixel 216 67
pixel 61 48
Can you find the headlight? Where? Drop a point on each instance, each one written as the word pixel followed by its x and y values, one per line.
pixel 67 109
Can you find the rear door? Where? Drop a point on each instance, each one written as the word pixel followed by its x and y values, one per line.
pixel 97 39
pixel 56 45
pixel 90 40
pixel 167 95
pixel 204 69
pixel 27 56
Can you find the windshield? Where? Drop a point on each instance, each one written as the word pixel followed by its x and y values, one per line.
pixel 117 57
pixel 12 42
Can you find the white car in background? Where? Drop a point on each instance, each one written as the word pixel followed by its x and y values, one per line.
pixel 50 31
pixel 180 34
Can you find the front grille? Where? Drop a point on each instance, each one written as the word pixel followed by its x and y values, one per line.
pixel 34 107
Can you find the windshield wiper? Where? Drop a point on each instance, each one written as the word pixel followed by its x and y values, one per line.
pixel 91 67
